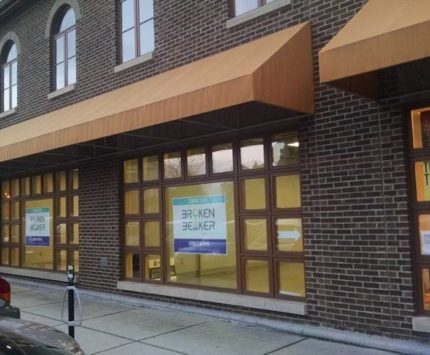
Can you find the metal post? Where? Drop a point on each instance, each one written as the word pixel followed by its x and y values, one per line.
pixel 71 298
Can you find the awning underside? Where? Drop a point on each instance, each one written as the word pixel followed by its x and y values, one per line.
pixel 198 130
pixel 273 73
pixel 383 34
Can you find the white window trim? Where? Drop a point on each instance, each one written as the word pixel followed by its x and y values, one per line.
pixel 61 91
pixel 268 304
pixel 133 62
pixel 8 112
pixel 259 11
pixel 37 274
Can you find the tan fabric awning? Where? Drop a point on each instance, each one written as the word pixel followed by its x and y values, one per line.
pixel 384 33
pixel 275 70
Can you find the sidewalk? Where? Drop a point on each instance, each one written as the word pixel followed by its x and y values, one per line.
pixel 121 326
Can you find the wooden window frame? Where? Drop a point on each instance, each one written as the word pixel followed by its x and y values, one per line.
pixel 65 34
pixel 237 176
pixel 420 261
pixel 233 6
pixel 69 220
pixel 136 26
pixel 8 64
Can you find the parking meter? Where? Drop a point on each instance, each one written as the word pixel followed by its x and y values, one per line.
pixel 70 275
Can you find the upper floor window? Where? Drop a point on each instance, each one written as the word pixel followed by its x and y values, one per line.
pixel 137 28
pixel 242 6
pixel 9 76
pixel 65 49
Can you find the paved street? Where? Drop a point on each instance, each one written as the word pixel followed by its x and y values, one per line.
pixel 111 327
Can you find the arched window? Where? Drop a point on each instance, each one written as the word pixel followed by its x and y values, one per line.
pixel 9 76
pixel 137 28
pixel 65 48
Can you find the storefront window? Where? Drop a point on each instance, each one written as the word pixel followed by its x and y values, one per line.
pixel 39 232
pixel 420 155
pixel 225 216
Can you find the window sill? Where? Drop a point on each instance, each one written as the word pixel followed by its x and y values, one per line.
pixel 61 91
pixel 421 324
pixel 8 112
pixel 260 11
pixel 36 274
pixel 268 304
pixel 133 62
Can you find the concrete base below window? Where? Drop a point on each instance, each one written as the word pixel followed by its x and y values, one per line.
pixel 421 324
pixel 36 274
pixel 266 304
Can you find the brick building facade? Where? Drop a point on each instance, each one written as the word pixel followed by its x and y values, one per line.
pixel 356 164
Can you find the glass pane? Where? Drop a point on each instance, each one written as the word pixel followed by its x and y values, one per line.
pixel 71 71
pixel 14 210
pixel 5 256
pixel 12 53
pixel 422 178
pixel 48 183
pixel 285 149
pixel 14 233
pixel 128 13
pixel 36 184
pixel 196 162
pixel 242 6
pixel 25 186
pixel 14 187
pixel 59 50
pixel 128 45
pixel 150 168
pixel 5 233
pixel 255 194
pixel 147 37
pixel 151 234
pixel 5 189
pixel 75 179
pixel 152 267
pixel 6 76
pixel 131 202
pixel 74 236
pixel 132 234
pixel 255 231
pixel 131 169
pixel 62 181
pixel 61 260
pixel 14 257
pixel 289 234
pixel 71 44
pixel 60 76
pixel 252 154
pixel 69 20
pixel 132 266
pixel 5 210
pixel 75 260
pixel 424 223
pixel 291 279
pixel 14 73
pixel 14 98
pixel 38 234
pixel 288 191
pixel 75 206
pixel 257 276
pixel 145 10
pixel 62 212
pixel 200 234
pixel 61 230
pixel 151 201
pixel 222 158
pixel 172 165
pixel 426 289
pixel 6 100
